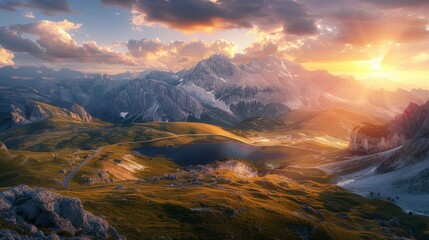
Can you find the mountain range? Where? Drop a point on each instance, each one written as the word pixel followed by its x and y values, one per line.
pixel 215 90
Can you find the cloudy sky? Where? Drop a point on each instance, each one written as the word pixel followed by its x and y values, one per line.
pixel 363 38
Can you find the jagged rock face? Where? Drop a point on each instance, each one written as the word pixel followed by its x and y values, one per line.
pixel 207 92
pixel 412 124
pixel 212 73
pixel 33 209
pixel 37 112
pixel 34 111
pixel 17 116
pixel 370 138
pixel 248 109
pixel 81 112
pixel 271 81
pixel 148 100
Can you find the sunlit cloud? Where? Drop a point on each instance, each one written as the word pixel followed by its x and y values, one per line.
pixel 207 16
pixel 6 57
pixel 421 57
pixel 54 42
pixel 176 55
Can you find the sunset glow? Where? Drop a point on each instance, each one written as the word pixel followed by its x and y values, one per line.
pixel 343 37
pixel 214 119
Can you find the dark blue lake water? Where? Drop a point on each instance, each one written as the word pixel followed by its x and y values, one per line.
pixel 206 152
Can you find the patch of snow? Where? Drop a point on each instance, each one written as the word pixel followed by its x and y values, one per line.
pixel 283 64
pixel 385 185
pixel 294 104
pixel 335 98
pixel 207 97
pixel 287 74
pixel 344 183
pixel 123 114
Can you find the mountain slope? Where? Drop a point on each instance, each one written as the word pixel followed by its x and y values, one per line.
pixel 244 88
pixel 399 170
pixel 147 100
pixel 37 111
pixel 216 91
pixel 412 123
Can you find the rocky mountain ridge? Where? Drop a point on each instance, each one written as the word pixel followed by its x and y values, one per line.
pixel 399 161
pixel 36 111
pixel 216 91
pixel 413 123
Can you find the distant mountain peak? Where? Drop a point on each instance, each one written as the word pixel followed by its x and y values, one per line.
pixel 412 107
pixel 218 64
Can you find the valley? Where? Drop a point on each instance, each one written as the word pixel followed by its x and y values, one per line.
pixel 221 154
pixel 214 120
pixel 152 195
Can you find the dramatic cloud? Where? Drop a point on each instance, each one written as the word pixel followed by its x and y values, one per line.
pixel 176 55
pixel 48 7
pixel 399 3
pixel 6 57
pixel 360 27
pixel 54 43
pixel 204 15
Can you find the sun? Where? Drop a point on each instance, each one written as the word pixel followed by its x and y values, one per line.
pixel 376 63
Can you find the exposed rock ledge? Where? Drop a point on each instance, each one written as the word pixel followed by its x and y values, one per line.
pixel 413 123
pixel 26 210
pixel 370 138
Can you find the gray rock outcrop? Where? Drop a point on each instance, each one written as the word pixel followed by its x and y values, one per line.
pixel 101 177
pixel 36 111
pixel 81 113
pixel 413 123
pixel 31 209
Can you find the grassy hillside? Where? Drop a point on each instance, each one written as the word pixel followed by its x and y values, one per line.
pixel 226 206
pixel 191 128
pixel 152 197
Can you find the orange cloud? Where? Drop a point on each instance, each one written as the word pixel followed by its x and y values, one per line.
pixel 6 57
pixel 178 54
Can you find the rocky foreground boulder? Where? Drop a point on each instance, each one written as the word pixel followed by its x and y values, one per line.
pixel 29 210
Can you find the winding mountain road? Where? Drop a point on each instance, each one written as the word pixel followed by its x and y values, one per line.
pixel 70 175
